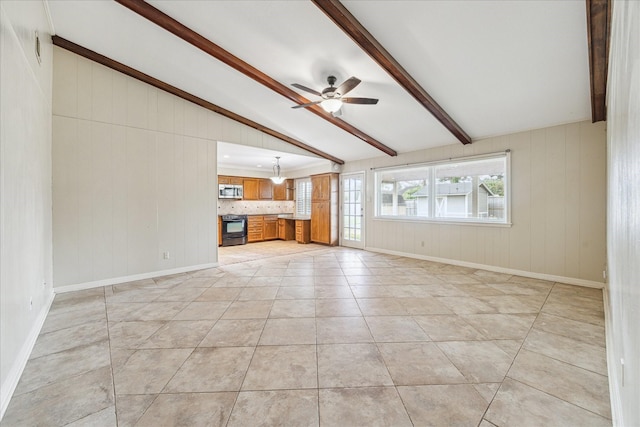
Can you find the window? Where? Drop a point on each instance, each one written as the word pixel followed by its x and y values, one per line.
pixel 303 197
pixel 471 189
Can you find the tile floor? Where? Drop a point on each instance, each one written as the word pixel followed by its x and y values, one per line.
pixel 328 336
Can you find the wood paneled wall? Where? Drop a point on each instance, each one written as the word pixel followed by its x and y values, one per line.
pixel 558 182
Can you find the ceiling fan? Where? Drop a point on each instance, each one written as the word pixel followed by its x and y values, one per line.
pixel 333 97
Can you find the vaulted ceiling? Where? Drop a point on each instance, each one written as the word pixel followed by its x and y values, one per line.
pixel 445 72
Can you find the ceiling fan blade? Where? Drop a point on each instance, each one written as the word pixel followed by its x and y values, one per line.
pixel 359 100
pixel 348 85
pixel 306 89
pixel 307 105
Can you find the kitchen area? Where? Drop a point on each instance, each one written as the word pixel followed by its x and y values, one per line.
pixel 255 209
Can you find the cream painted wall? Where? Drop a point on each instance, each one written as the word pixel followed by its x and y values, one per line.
pixel 134 176
pixel 25 186
pixel 557 209
pixel 623 227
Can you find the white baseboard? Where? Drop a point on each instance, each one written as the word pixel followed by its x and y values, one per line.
pixel 11 382
pixel 131 278
pixel 540 276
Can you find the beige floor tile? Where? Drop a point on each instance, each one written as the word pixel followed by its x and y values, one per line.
pixel 517 404
pixel 148 371
pixel 362 291
pixel 479 361
pixel 381 307
pixel 333 292
pixel 260 281
pixel 56 367
pixel 248 310
pixel 159 310
pixel 199 282
pixel 351 365
pixel 179 334
pixel 320 280
pixel 423 305
pixel 575 312
pixel 231 333
pixel 64 339
pixel 282 367
pixel 297 281
pixel 580 331
pixel 130 407
pixel 211 369
pixel 569 350
pixel 231 281
pixel 259 293
pixel 418 364
pixel 289 331
pixel 68 318
pixel 295 292
pixel 443 405
pixel 190 409
pixel 276 408
pixel 132 334
pixel 447 328
pixel 62 402
pixel 515 303
pixel 395 329
pixel 219 294
pixel 467 305
pixel 333 330
pixel 104 418
pixel 180 294
pixel 562 380
pixel 370 406
pixel 293 308
pixel 337 308
pixel 203 310
pixel 501 326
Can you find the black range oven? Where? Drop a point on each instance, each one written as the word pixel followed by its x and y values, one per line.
pixel 234 230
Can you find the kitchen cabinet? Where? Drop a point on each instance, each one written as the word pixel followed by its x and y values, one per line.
pixel 303 231
pixel 324 208
pixel 286 229
pixel 236 180
pixel 251 189
pixel 219 230
pixel 265 189
pixel 284 191
pixel 270 227
pixel 255 228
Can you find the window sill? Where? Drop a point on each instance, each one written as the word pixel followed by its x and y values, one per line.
pixel 444 221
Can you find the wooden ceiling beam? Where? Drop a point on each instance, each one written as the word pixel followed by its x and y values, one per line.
pixel 185 33
pixel 138 75
pixel 359 34
pixel 598 33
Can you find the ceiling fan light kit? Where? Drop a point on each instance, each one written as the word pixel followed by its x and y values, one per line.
pixel 332 97
pixel 276 178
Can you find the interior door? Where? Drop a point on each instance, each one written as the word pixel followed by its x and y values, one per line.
pixel 352 210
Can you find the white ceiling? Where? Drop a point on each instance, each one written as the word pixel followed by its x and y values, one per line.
pixel 496 67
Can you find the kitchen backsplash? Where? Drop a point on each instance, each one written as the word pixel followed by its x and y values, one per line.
pixel 255 207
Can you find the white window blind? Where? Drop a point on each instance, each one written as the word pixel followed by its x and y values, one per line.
pixel 303 197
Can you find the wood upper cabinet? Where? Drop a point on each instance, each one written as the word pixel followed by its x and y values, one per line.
pixel 324 208
pixel 251 189
pixel 223 179
pixel 284 191
pixel 265 189
pixel 321 187
pixel 270 229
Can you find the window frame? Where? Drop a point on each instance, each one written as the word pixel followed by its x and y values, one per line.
pixel 430 177
pixel 303 197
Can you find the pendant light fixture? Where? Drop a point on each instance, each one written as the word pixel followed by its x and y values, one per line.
pixel 276 178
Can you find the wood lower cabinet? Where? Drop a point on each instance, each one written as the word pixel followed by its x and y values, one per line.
pixel 270 227
pixel 286 229
pixel 324 209
pixel 255 228
pixel 303 230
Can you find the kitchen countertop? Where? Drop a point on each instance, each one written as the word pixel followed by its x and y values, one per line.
pixel 280 215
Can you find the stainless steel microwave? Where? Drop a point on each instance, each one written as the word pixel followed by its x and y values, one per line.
pixel 229 191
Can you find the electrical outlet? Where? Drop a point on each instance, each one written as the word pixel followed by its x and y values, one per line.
pixel 622 369
pixel 167 255
pixel 30 303
pixel 422 243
